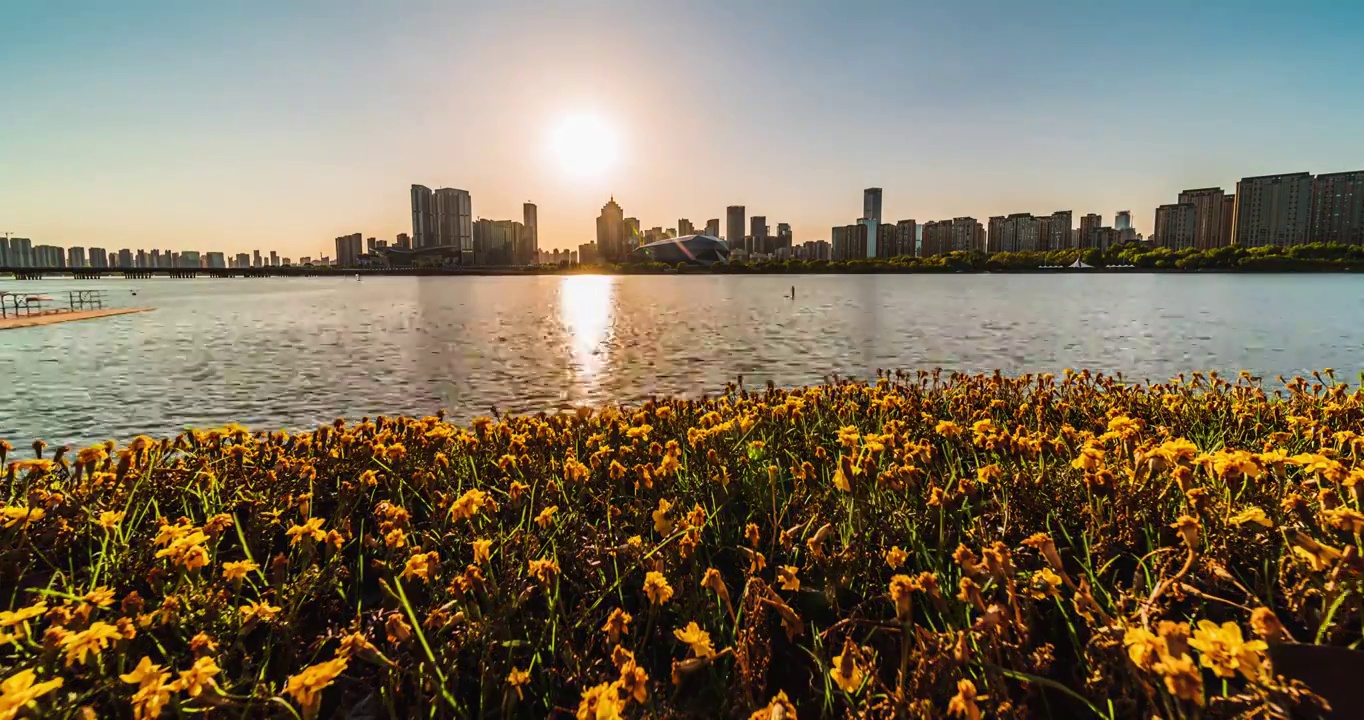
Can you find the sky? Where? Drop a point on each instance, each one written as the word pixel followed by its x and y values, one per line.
pixel 281 125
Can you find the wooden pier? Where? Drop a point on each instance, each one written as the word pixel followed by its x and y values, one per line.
pixel 61 316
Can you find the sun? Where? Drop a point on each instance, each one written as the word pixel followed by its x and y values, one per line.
pixel 585 144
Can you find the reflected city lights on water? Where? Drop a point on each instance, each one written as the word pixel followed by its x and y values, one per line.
pixel 585 310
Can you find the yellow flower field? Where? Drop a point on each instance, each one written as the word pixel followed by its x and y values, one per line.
pixel 920 546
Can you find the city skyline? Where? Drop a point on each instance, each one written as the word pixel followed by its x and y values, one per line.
pixel 302 140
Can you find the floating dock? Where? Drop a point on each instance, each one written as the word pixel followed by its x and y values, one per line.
pixel 52 318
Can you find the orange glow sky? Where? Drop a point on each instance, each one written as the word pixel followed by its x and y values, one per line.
pixel 240 126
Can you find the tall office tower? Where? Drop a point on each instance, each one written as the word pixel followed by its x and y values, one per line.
pixel 611 232
pixel 255 258
pixel 713 227
pixel 784 236
pixel 1209 217
pixel 631 234
pixel 757 234
pixel 423 217
pixel 871 204
pixel 1122 220
pixel 684 227
pixel 452 224
pixel 274 258
pixel 734 227
pixel 1177 225
pixel 1274 210
pixel 531 220
pixel 1338 208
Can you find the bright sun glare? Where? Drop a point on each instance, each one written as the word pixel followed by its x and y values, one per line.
pixel 585 144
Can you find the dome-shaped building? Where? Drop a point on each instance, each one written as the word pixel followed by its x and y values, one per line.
pixel 690 249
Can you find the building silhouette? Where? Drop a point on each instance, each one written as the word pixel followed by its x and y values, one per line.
pixel 611 232
pixel 530 218
pixel 452 210
pixel 348 249
pixel 871 205
pixel 1338 208
pixel 423 217
pixel 734 227
pixel 1210 219
pixel 1177 224
pixel 1274 210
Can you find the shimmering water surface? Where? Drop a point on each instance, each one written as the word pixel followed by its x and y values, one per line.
pixel 293 353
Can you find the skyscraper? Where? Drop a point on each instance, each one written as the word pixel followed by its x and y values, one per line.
pixel 1338 208
pixel 633 238
pixel 1209 231
pixel 871 204
pixel 453 224
pixel 1123 220
pixel 734 227
pixel 994 235
pixel 1089 231
pixel 684 227
pixel 713 227
pixel 757 234
pixel 937 238
pixel 1274 210
pixel 75 257
pixel 423 230
pixel 99 258
pixel 1177 225
pixel 784 236
pixel 255 258
pixel 611 232
pixel 531 220
pixel 906 238
pixel 348 249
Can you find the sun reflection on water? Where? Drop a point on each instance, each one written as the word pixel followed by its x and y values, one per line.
pixel 585 310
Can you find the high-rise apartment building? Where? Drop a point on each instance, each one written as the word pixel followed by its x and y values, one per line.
pixel 274 257
pixel 906 238
pixel 1209 230
pixel 611 232
pixel 20 253
pixel 937 238
pixel 1274 210
pixel 496 242
pixel 1228 220
pixel 968 234
pixel 348 249
pixel 871 205
pixel 452 219
pixel 48 256
pixel 125 258
pixel 141 260
pixel 530 218
pixel 684 227
pixel 1338 208
pixel 423 217
pixel 1122 220
pixel 75 257
pixel 243 261
pixel 1177 224
pixel 713 227
pixel 1060 228
pixel 1088 236
pixel 850 242
pixel 734 227
pixel 784 238
pixel 633 237
pixel 994 234
pixel 255 258
pixel 99 258
pixel 215 260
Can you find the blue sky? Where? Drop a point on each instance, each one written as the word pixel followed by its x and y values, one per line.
pixel 246 125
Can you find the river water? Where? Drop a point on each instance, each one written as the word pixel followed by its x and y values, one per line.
pixel 293 353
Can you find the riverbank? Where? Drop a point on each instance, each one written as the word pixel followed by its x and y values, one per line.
pixel 52 318
pixel 970 544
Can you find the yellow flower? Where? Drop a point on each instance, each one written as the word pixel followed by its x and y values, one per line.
pixel 1251 515
pixel 1188 528
pixel 617 624
pixel 311 529
pixel 901 587
pixel 21 516
pixel 19 691
pixel 263 611
pixel 846 673
pixel 602 702
pixel 697 639
pixel 1182 678
pixel 1343 518
pixel 546 516
pixel 947 428
pixel 518 679
pixel 963 704
pixel 1044 584
pixel 786 576
pixel 93 639
pixel 109 519
pixel 199 676
pixel 395 538
pixel 662 525
pixel 714 582
pixel 101 597
pixel 1265 623
pixel 1222 649
pixel 895 557
pixel 657 588
pixel 235 571
pixel 751 534
pixel 469 504
pixel 1088 458
pixel 482 551
pixel 544 570
pixel 307 686
pixel 421 565
pixel 1144 647
pixel 779 708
